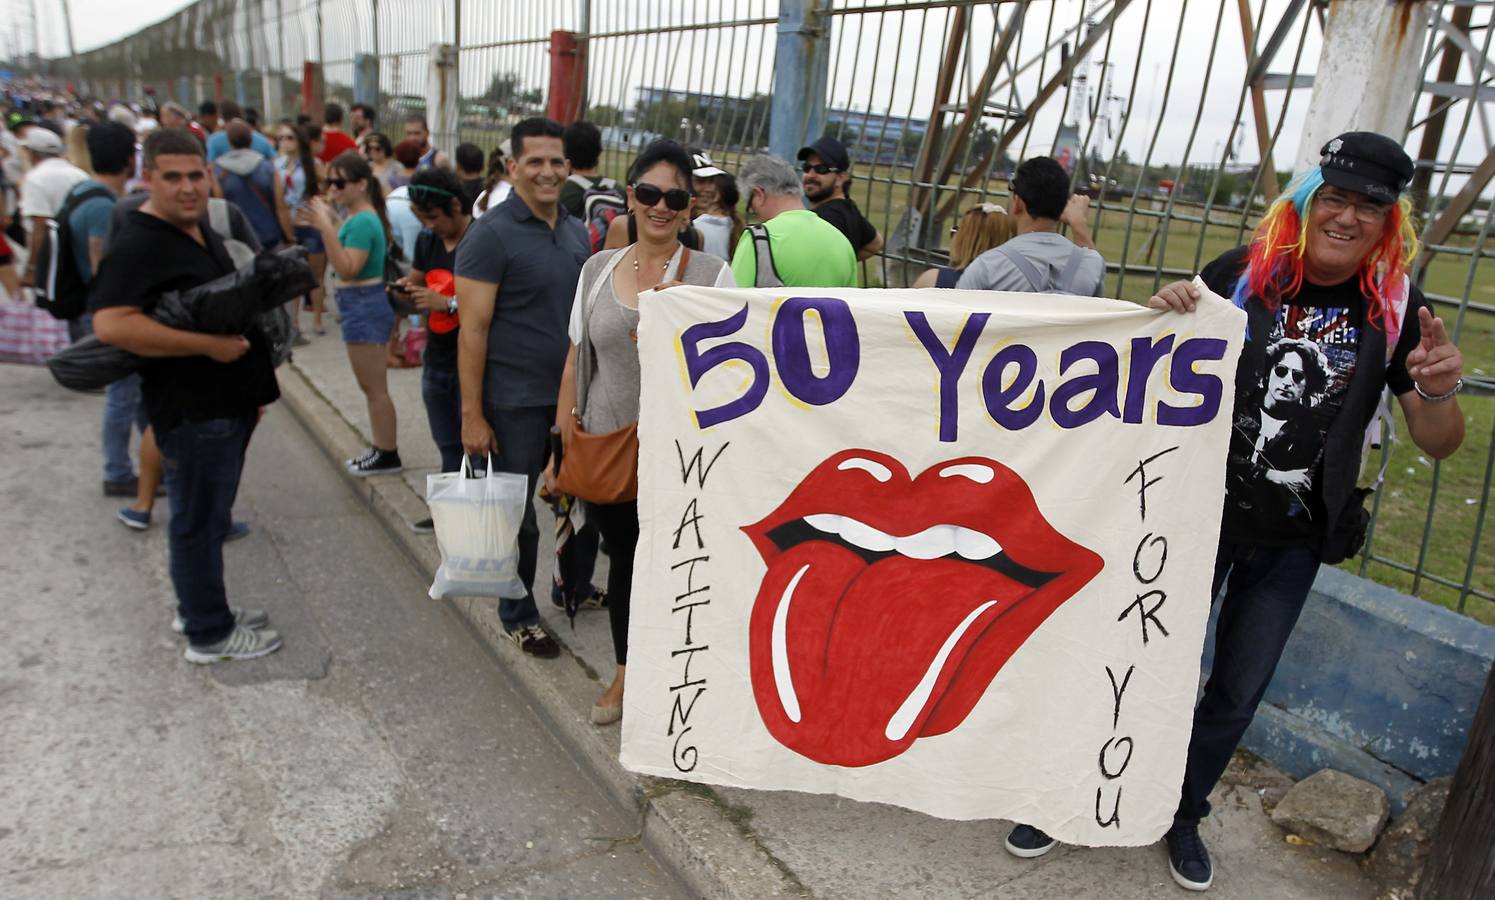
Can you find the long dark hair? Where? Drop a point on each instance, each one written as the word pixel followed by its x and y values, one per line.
pixel 355 168
pixel 307 161
pixel 495 173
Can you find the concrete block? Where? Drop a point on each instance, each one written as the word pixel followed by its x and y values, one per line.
pixel 1375 683
pixel 1335 810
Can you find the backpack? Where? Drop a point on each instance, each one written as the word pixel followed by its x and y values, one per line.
pixel 61 289
pixel 601 202
pixel 241 253
pixel 767 274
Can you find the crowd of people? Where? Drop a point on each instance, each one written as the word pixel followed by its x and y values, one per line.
pixel 525 270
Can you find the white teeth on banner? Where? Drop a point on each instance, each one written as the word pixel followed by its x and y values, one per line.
pixel 931 543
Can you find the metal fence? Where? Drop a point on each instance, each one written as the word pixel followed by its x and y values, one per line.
pixel 1166 111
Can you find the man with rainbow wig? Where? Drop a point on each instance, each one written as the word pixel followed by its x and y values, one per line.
pixel 1332 320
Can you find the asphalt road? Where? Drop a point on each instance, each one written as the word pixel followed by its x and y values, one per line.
pixel 380 753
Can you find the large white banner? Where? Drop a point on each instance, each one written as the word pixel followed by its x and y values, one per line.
pixel 945 549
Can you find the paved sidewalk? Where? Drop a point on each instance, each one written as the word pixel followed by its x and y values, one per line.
pixel 729 842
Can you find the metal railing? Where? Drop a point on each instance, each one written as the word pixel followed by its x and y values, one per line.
pixel 937 100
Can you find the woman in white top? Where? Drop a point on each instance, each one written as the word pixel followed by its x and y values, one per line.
pixel 716 215
pixel 605 316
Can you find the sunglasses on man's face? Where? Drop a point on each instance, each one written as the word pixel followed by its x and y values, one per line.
pixel 648 195
pixel 819 168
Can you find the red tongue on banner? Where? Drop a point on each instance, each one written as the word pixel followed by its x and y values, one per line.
pixel 858 641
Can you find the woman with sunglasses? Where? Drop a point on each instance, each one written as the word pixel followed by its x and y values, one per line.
pixel 377 149
pixel 356 250
pixel 300 174
pixel 980 229
pixel 623 230
pixel 606 309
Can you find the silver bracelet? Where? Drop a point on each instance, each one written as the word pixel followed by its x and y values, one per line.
pixel 1438 398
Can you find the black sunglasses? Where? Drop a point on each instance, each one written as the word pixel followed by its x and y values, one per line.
pixel 648 195
pixel 819 168
pixel 338 183
pixel 419 191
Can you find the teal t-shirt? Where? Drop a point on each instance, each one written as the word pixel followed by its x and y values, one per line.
pixel 365 232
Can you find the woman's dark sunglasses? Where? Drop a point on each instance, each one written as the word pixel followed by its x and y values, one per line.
pixel 819 168
pixel 338 183
pixel 675 198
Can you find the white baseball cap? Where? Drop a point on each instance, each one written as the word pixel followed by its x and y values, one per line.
pixel 42 140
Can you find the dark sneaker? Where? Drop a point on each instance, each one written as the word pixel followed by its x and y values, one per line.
pixel 376 462
pixel 598 600
pixel 1027 842
pixel 1188 860
pixel 126 488
pixel 236 530
pixel 423 526
pixel 242 643
pixel 134 518
pixel 533 640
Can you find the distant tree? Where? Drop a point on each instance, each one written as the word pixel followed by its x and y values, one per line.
pixel 506 91
pixel 605 115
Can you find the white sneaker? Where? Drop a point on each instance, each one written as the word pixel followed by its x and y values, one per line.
pixel 241 643
pixel 249 618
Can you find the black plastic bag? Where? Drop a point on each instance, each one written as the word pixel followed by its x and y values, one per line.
pixel 247 299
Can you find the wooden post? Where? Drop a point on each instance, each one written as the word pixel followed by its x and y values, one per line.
pixel 1462 861
pixel 1269 184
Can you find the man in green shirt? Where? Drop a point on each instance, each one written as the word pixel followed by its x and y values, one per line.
pixel 792 247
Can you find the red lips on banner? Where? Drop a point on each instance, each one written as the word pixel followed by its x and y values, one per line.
pixel 890 602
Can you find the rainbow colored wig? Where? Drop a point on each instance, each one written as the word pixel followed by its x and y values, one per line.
pixel 1275 266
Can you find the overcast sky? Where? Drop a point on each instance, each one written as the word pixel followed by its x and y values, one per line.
pixel 883 62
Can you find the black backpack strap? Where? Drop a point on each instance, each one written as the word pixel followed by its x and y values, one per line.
pixel 767 274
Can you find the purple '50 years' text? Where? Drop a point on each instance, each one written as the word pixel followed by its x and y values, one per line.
pixel 1013 393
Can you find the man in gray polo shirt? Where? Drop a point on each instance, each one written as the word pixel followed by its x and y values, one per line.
pixel 517 269
pixel 1039 259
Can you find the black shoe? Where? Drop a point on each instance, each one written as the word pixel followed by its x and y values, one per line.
pixel 1188 860
pixel 375 462
pixel 534 640
pixel 423 526
pixel 126 488
pixel 1027 842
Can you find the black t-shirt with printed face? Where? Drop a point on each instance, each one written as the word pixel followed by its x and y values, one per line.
pixel 1274 472
pixel 147 257
pixel 438 264
pixel 849 220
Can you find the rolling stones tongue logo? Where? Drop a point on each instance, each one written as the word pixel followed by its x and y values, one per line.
pixel 891 602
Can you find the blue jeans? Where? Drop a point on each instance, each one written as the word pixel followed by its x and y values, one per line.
pixel 203 463
pixel 523 437
pixel 123 409
pixel 1265 590
pixel 442 391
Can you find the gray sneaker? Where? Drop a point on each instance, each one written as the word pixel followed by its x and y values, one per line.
pixel 241 643
pixel 249 618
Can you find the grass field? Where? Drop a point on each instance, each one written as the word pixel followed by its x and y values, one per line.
pixel 1403 510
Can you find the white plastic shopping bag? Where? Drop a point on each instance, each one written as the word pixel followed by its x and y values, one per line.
pixel 477 529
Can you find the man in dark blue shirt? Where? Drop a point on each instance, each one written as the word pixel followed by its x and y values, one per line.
pixel 517 269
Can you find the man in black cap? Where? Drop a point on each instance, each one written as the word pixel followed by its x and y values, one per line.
pixel 827 168
pixel 1341 323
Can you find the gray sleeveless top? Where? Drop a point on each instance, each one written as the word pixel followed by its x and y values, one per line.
pixel 610 385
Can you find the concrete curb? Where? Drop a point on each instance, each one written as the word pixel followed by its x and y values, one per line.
pixel 688 827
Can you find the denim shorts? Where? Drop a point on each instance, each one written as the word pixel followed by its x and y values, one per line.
pixel 311 239
pixel 367 316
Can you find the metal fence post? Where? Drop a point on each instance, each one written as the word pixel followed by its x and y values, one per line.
pixel 1369 73
pixel 366 79
pixel 800 66
pixel 441 95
